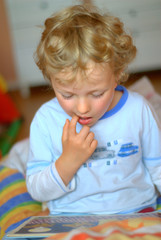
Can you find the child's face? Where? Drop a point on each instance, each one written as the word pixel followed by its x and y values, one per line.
pixel 90 96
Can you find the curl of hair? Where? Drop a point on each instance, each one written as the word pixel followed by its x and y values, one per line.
pixel 78 34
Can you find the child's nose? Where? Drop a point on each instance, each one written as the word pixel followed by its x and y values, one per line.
pixel 83 106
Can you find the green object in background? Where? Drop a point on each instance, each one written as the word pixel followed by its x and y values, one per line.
pixel 8 137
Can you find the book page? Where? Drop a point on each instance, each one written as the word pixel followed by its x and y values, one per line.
pixel 44 226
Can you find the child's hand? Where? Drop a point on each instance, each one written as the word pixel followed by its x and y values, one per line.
pixel 77 148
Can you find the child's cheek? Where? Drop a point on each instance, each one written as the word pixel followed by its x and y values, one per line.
pixel 67 106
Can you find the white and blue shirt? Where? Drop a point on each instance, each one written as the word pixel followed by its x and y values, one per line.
pixel 121 175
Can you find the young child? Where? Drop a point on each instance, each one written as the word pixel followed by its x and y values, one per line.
pixel 96 147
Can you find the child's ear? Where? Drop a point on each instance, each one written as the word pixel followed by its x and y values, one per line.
pixel 118 76
pixel 116 80
pixel 116 83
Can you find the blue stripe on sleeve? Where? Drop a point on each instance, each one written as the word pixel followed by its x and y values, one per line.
pixel 56 179
pixel 36 166
pixel 152 159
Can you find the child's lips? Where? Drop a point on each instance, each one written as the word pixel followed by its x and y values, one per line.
pixel 84 120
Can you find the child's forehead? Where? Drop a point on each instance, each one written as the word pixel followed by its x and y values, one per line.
pixel 92 72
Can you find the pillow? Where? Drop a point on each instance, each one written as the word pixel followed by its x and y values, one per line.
pixel 16 205
pixel 159 203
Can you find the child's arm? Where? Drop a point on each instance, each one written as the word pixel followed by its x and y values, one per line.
pixel 151 145
pixel 77 148
pixel 46 179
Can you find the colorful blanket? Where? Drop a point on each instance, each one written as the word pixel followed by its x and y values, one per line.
pixel 139 228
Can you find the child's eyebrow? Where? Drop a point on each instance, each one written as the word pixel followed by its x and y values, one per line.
pixel 90 92
pixel 64 91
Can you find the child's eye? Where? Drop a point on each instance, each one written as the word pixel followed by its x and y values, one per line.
pixel 98 95
pixel 66 96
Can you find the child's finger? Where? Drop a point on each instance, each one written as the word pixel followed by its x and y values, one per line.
pixel 94 144
pixel 84 132
pixel 73 124
pixel 65 130
pixel 90 137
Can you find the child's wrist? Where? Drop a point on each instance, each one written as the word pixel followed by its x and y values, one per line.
pixel 66 168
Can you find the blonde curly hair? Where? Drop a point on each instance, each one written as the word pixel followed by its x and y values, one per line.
pixel 78 34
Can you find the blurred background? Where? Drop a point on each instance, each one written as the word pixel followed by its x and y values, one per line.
pixel 20 34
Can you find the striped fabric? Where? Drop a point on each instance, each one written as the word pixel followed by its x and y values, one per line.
pixel 159 203
pixel 16 205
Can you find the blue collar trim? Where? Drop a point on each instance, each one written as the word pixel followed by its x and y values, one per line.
pixel 119 105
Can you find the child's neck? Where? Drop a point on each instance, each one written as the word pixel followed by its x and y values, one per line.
pixel 116 99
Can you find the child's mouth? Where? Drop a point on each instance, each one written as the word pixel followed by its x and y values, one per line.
pixel 85 121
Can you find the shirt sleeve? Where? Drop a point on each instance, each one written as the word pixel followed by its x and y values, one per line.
pixel 42 179
pixel 151 145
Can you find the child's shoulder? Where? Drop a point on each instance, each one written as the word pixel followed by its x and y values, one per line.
pixel 52 104
pixel 49 109
pixel 50 112
pixel 136 98
pixel 138 101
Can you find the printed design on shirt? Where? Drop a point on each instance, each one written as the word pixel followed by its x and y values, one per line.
pixel 112 152
pixel 102 152
pixel 112 162
pixel 128 149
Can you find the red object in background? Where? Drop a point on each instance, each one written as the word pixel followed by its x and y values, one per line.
pixel 149 209
pixel 8 110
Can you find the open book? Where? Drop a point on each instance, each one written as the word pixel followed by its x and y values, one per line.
pixel 45 226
